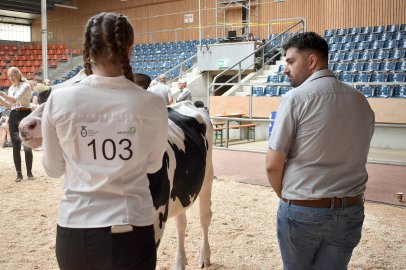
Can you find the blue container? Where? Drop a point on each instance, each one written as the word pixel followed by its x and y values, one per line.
pixel 272 116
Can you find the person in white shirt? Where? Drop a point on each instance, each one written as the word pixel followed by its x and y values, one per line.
pixel 185 93
pixel 18 100
pixel 105 134
pixel 161 89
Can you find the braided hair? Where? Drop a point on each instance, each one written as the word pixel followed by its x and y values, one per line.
pixel 108 36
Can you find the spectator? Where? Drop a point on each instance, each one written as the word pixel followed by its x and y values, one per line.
pixel 161 89
pixel 18 100
pixel 316 160
pixel 105 134
pixel 185 93
pixel 6 139
pixel 142 80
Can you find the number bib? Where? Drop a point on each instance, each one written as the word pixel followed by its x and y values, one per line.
pixel 107 143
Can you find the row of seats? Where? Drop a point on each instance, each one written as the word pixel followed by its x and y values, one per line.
pixel 161 65
pixel 368 45
pixel 378 91
pixel 394 54
pixel 397 36
pixel 163 57
pixel 382 66
pixel 382 91
pixel 372 77
pixel 269 91
pixel 365 30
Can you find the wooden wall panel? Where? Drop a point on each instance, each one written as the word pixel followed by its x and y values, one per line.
pixel 163 20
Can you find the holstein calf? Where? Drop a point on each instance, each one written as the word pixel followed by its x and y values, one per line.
pixel 186 173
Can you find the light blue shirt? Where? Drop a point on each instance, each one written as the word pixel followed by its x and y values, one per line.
pixel 325 127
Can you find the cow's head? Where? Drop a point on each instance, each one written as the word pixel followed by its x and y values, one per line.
pixel 30 126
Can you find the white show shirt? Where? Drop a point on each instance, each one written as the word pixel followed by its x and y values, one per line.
pixel 22 94
pixel 104 134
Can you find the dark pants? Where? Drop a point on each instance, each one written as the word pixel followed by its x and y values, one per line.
pixel 14 121
pixel 98 248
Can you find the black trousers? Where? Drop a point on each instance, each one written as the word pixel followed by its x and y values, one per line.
pixel 14 121
pixel 99 249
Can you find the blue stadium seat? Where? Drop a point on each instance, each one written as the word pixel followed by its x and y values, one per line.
pixel 359 87
pixel 384 36
pixel 329 33
pixel 392 28
pixel 274 79
pixel 362 45
pixel 342 67
pixel 381 55
pixel 365 56
pixel 285 79
pixel 370 66
pixel 353 31
pixel 366 30
pixel 386 66
pixel 396 77
pixel 402 27
pixel 334 47
pixel 341 32
pixel 371 37
pixel 348 46
pixel 339 56
pixel 402 44
pixel 396 54
pixel 257 90
pixel 271 91
pixel 400 66
pixel 378 77
pixel 344 39
pixel 281 69
pixel 283 90
pixel 383 91
pixel 368 91
pixel 398 36
pixel 375 45
pixel 355 67
pixel 330 40
pixel 358 38
pixel 361 78
pixel 347 77
pixel 378 29
pixel 389 44
pixel 399 92
pixel 339 76
pixel 350 56
pixel 331 66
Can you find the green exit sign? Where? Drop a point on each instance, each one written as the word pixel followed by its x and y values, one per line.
pixel 222 63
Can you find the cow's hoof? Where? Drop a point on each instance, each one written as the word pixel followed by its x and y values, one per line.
pixel 204 263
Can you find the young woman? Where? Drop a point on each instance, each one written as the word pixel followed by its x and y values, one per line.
pixel 18 100
pixel 104 134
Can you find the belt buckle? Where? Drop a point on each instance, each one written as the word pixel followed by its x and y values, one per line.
pixel 121 228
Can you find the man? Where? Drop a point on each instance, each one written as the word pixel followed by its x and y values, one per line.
pixel 185 93
pixel 162 89
pixel 316 160
pixel 142 80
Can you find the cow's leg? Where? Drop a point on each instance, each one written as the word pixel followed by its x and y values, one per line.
pixel 205 217
pixel 180 261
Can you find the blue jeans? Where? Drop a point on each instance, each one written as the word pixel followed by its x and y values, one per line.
pixel 318 238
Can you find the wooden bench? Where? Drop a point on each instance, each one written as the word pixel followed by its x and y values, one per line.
pixel 250 129
pixel 218 135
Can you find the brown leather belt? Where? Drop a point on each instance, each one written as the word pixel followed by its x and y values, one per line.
pixel 328 202
pixel 23 109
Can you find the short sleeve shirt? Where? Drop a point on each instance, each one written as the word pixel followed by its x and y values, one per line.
pixel 325 127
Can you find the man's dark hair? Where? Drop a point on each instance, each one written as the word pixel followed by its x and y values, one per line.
pixel 142 80
pixel 308 41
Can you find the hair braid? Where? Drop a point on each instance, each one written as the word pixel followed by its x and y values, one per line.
pixel 124 37
pixel 87 47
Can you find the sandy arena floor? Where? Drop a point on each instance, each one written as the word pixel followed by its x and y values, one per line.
pixel 242 233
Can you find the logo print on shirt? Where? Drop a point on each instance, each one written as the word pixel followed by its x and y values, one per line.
pixel 83 131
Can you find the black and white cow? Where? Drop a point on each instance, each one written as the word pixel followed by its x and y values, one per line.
pixel 186 173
